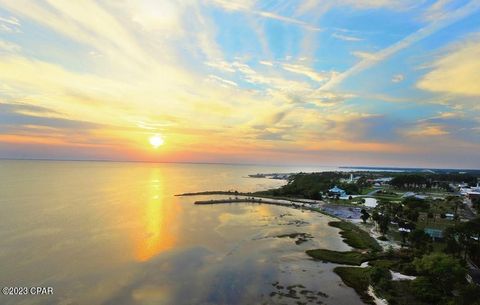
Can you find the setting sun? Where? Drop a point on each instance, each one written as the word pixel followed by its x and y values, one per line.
pixel 156 141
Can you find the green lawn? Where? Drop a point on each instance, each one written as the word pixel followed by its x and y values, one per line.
pixel 367 190
pixel 386 197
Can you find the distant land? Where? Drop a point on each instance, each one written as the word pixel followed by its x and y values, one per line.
pixel 412 169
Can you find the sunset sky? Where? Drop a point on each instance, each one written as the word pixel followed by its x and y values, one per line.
pixel 341 82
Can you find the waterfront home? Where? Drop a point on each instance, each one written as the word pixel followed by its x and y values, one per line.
pixel 336 191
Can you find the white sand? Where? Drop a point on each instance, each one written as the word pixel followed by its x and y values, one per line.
pixel 377 300
pixel 401 277
pixel 370 202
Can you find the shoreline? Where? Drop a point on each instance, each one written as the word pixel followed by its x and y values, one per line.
pixel 365 246
pixel 256 199
pixel 248 194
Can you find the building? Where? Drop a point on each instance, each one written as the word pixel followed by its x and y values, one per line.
pixel 383 181
pixel 351 179
pixel 412 194
pixel 434 233
pixel 470 192
pixel 336 191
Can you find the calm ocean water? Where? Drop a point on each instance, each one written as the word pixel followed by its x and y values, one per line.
pixel 114 233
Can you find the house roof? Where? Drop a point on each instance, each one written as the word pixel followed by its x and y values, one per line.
pixel 336 189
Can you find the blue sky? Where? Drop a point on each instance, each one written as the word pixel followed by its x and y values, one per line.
pixel 346 82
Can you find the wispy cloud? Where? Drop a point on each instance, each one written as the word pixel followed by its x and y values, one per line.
pixel 9 47
pixel 249 7
pixel 314 75
pixel 266 63
pixel 221 81
pixel 366 55
pixel 346 37
pixel 10 24
pixel 204 72
pixel 433 27
pixel 398 78
pixel 321 6
pixel 456 72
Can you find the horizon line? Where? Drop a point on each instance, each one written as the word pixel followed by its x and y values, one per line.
pixel 235 164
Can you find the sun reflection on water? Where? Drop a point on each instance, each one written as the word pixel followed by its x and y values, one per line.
pixel 160 221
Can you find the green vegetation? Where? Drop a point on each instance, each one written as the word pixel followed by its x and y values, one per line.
pixel 365 215
pixel 476 204
pixel 429 180
pixel 386 263
pixel 231 200
pixel 366 190
pixel 410 181
pixel 213 193
pixel 435 222
pixel 308 185
pixel 350 188
pixel 439 265
pixel 355 237
pixel 438 276
pixel 347 258
pixel 442 270
pixel 313 185
pixel 386 198
pixel 463 240
pixel 419 241
pixel 358 279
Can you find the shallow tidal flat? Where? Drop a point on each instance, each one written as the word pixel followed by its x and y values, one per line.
pixel 115 234
pixel 282 236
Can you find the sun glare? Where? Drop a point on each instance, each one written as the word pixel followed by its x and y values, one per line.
pixel 156 141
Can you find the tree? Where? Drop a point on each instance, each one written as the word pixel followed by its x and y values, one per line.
pixel 419 241
pixel 404 233
pixel 469 238
pixel 411 214
pixel 468 295
pixel 413 203
pixel 430 216
pixel 441 269
pixel 380 277
pixel 476 203
pixel 452 245
pixel 410 181
pixel 350 188
pixel 457 203
pixel 308 184
pixel 383 223
pixel 425 290
pixel 464 237
pixel 365 215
